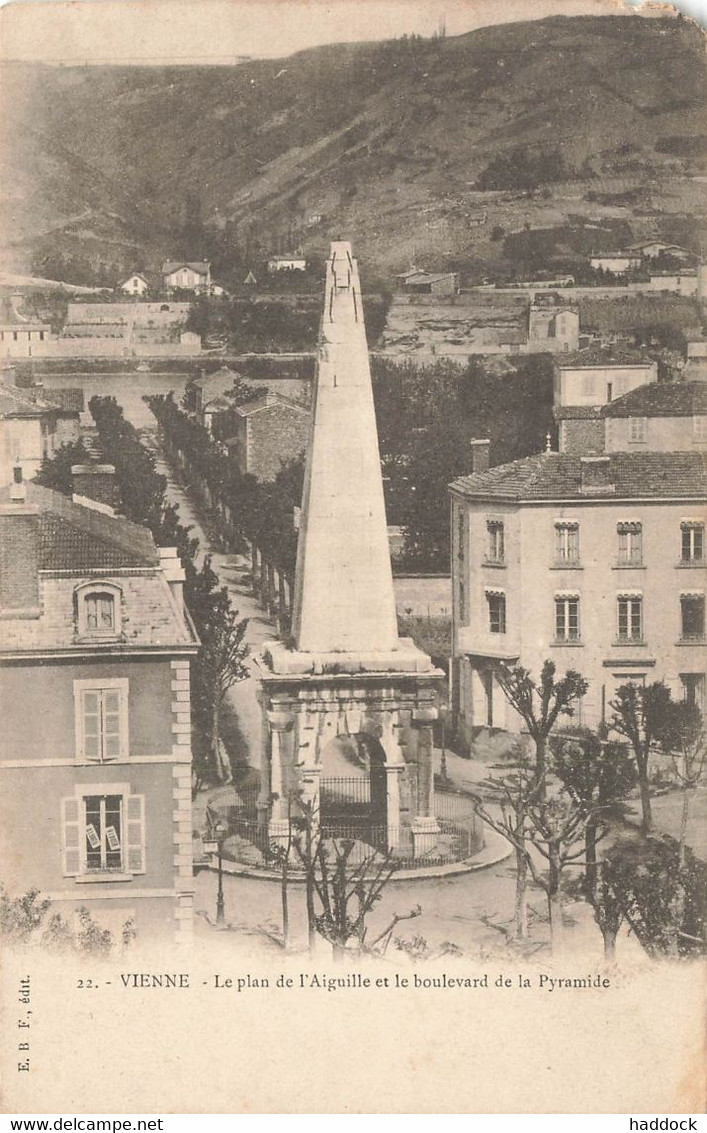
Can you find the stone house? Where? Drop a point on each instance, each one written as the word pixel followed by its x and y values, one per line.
pixel 595 562
pixel 271 430
pixel 192 275
pixel 135 284
pixel 287 263
pixel 587 380
pixel 94 683
pixel 32 428
pixel 553 325
pixel 660 417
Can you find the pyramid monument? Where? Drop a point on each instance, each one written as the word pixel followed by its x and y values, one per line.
pixel 345 674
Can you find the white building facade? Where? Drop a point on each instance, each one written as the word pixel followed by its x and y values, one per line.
pixel 596 563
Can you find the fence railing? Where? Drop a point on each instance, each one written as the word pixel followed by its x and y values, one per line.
pixel 248 839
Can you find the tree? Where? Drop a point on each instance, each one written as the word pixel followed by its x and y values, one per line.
pixel 686 739
pixel 642 713
pixel 221 664
pixel 541 704
pixel 608 911
pixel 511 795
pixel 20 916
pixel 553 827
pixel 662 900
pixel 597 775
pixel 347 892
pixel 55 471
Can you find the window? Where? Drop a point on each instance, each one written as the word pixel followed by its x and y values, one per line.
pixel 637 430
pixel 693 689
pixel 98 608
pixel 699 429
pixel 101 710
pixel 692 617
pixel 497 611
pixel 692 541
pixel 630 543
pixel 567 618
pixel 104 831
pixel 630 618
pixel 567 544
pixel 103 828
pixel 609 391
pixel 495 545
pixel 100 612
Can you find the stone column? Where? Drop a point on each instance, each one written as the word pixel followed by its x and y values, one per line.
pixel 424 825
pixel 280 725
pixel 393 772
pixel 310 793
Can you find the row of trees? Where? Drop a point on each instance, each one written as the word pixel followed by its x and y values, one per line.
pixel 555 803
pixel 262 513
pixel 222 657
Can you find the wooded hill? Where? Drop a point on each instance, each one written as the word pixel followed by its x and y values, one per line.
pixel 388 143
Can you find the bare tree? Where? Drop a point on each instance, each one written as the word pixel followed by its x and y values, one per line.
pixel 511 795
pixel 346 892
pixel 540 704
pixel 553 827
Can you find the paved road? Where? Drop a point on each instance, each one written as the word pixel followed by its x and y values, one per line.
pixel 233 571
pixel 460 909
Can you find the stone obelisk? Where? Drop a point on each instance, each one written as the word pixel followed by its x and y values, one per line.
pixel 345 670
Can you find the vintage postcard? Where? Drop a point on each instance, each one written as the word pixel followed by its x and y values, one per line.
pixel 353 415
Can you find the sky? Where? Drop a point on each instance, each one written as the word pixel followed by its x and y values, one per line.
pixel 212 31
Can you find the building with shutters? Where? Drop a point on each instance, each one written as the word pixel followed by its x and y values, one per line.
pixel 596 563
pixel 95 763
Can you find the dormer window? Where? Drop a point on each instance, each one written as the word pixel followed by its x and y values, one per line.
pixel 98 610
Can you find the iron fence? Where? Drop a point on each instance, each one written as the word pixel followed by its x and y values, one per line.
pixel 345 818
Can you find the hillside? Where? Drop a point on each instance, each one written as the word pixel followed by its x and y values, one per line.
pixel 385 142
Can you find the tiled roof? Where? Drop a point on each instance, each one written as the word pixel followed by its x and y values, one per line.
pixel 15 403
pixel 603 356
pixel 225 373
pixel 661 399
pixel 429 277
pixel 199 266
pixel 74 537
pixel 268 400
pixel 557 476
pixel 577 412
pixel 69 399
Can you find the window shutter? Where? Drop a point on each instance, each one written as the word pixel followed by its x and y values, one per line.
pixel 135 833
pixel 91 724
pixel 71 825
pixel 111 723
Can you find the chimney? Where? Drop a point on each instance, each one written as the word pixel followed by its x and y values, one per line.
pixel 480 455
pixel 19 554
pixel 174 573
pixel 595 476
pixel 95 486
